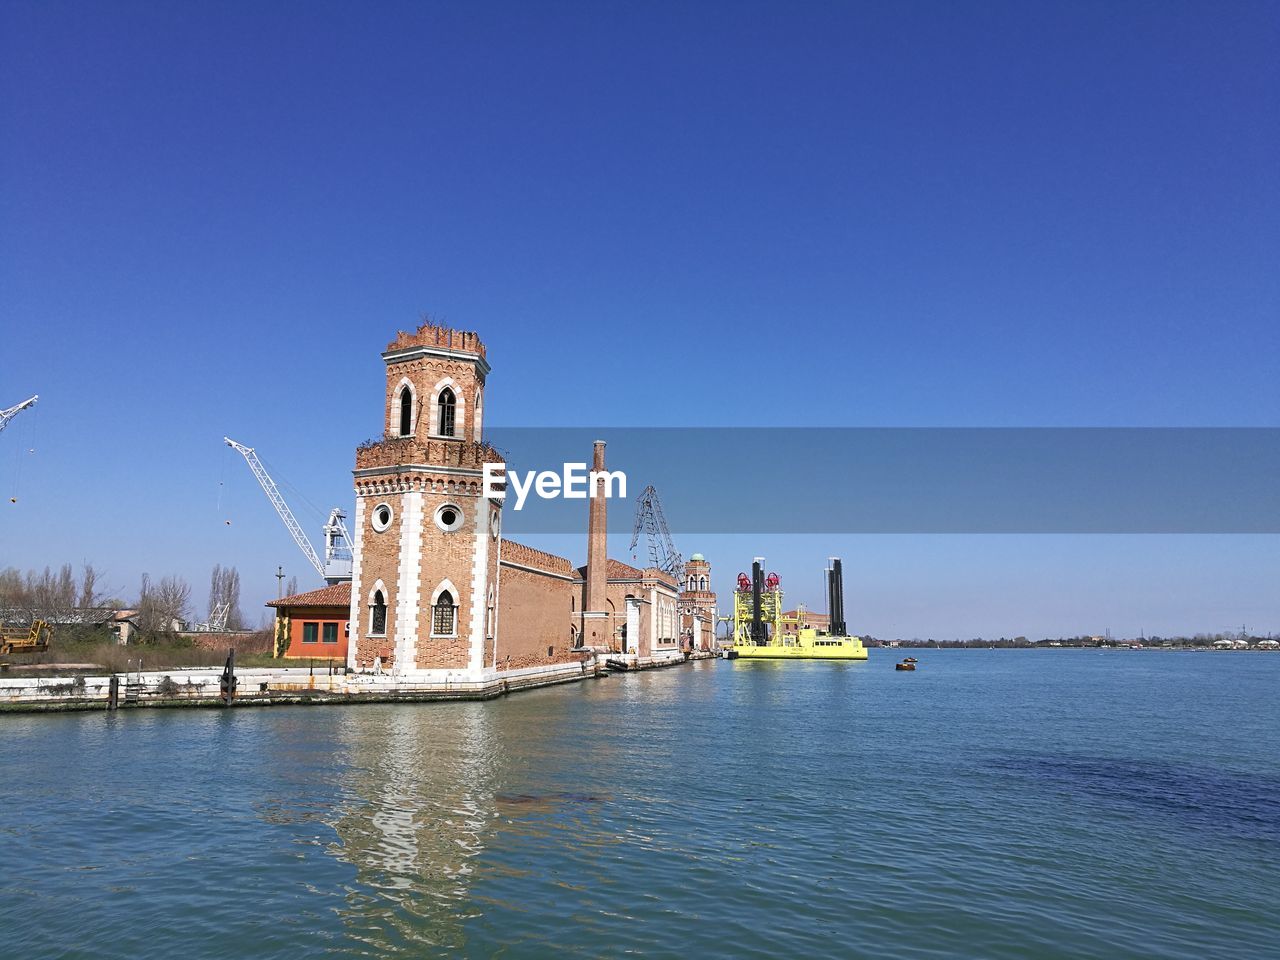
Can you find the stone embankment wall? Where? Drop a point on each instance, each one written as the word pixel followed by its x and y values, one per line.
pixel 295 685
pixel 262 687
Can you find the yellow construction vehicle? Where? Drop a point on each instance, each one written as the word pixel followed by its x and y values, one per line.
pixel 26 641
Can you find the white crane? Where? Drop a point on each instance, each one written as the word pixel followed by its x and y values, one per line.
pixel 337 542
pixel 7 415
pixel 218 619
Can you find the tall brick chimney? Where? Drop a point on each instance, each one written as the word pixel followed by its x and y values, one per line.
pixel 595 614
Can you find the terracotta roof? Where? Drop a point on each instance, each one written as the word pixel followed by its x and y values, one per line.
pixel 532 557
pixel 617 570
pixel 338 595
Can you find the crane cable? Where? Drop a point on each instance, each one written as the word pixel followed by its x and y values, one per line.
pixel 222 483
pixel 26 448
pixel 295 494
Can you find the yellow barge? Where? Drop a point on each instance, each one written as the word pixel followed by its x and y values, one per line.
pixel 808 644
pixel 757 622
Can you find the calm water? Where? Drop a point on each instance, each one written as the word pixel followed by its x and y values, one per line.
pixel 993 804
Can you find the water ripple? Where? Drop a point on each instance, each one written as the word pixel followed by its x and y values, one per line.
pixel 982 807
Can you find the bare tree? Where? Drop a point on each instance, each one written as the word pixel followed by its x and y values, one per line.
pixel 147 617
pixel 292 588
pixel 162 606
pixel 65 591
pixel 56 596
pixel 215 590
pixel 235 619
pixel 51 596
pixel 14 603
pixel 89 596
pixel 173 599
pixel 224 588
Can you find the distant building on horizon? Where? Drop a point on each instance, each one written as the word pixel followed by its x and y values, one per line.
pixel 793 621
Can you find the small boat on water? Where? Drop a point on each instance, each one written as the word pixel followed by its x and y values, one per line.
pixel 907 664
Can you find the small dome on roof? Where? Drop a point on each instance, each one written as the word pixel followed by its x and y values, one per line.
pixel 698 556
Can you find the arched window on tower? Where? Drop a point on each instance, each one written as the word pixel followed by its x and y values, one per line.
pixel 447 405
pixel 406 411
pixel 378 615
pixel 443 615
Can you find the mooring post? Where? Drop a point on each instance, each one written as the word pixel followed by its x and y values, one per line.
pixel 113 693
pixel 229 677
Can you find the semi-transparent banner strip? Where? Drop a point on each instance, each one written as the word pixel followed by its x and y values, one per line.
pixel 812 480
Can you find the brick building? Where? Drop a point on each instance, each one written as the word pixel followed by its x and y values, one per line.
pixel 639 616
pixel 436 591
pixel 697 605
pixel 793 621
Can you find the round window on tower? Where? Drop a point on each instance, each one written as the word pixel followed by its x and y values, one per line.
pixel 449 517
pixel 382 517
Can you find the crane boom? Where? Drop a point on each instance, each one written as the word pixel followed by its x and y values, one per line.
pixel 7 415
pixel 277 500
pixel 652 524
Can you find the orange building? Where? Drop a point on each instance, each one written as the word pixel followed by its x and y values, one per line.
pixel 314 624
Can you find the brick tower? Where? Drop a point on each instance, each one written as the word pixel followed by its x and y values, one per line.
pixel 697 605
pixel 424 577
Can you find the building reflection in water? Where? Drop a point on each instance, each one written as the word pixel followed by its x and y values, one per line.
pixel 463 826
pixel 418 793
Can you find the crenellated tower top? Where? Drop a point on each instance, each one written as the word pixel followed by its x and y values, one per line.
pixel 439 336
pixel 435 385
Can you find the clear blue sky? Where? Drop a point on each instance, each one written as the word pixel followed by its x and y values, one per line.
pixel 214 216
